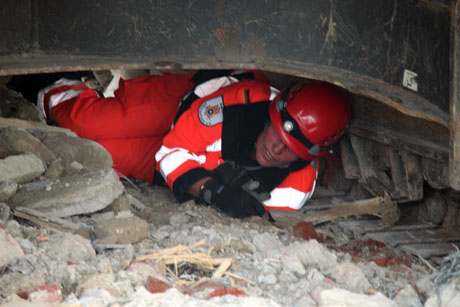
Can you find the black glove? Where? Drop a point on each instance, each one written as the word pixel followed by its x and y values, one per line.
pixel 231 175
pixel 231 200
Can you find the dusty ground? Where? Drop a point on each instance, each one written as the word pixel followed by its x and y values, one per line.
pixel 73 234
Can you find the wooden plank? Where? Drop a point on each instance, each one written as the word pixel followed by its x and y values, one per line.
pixel 414 175
pixel 454 123
pixel 372 178
pixel 423 236
pixel 400 189
pixel 431 250
pixel 400 141
pixel 349 160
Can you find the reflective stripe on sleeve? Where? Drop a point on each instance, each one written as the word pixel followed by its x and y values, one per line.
pixel 61 97
pixel 215 147
pixel 211 86
pixel 288 198
pixel 170 159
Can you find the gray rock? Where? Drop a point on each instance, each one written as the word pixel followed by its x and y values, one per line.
pixel 90 154
pixel 179 219
pixel 65 247
pixel 312 253
pixel 7 189
pixel 121 230
pixel 12 104
pixel 71 195
pixel 20 141
pixel 292 264
pixel 268 245
pixel 350 277
pixel 4 213
pixel 408 297
pixel 21 168
pixel 9 248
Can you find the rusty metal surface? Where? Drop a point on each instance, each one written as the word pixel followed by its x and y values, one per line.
pixel 365 47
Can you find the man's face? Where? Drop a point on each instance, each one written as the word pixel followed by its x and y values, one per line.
pixel 271 151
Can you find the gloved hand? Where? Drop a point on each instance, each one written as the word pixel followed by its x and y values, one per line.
pixel 231 200
pixel 231 175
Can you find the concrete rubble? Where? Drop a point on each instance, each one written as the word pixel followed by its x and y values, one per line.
pixel 139 247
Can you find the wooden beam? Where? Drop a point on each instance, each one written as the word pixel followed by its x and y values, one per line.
pixel 454 123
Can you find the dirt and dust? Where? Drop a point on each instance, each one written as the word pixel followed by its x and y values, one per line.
pixel 80 236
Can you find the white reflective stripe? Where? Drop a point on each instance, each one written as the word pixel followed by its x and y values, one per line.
pixel 273 92
pixel 172 158
pixel 61 97
pixel 289 197
pixel 214 147
pixel 44 91
pixel 211 86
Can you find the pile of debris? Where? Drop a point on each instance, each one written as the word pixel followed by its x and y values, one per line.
pixel 73 234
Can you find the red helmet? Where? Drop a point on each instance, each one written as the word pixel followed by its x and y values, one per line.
pixel 309 117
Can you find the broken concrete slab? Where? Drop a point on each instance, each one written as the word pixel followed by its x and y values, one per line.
pixel 7 189
pixel 121 230
pixel 9 248
pixel 71 195
pixel 70 149
pixel 21 141
pixel 21 168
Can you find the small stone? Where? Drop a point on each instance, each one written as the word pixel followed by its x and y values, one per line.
pixel 49 293
pixel 305 231
pixel 7 189
pixel 155 285
pixel 67 247
pixel 55 169
pixel 448 294
pixel 345 298
pixel 268 245
pixel 408 297
pixel 269 279
pixel 9 248
pixel 227 291
pixel 350 276
pixel 21 168
pixel 312 253
pixel 99 281
pixel 179 219
pixel 291 263
pixel 121 230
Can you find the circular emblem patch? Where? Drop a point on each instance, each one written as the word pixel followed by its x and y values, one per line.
pixel 211 111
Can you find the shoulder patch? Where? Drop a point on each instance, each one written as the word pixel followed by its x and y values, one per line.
pixel 211 111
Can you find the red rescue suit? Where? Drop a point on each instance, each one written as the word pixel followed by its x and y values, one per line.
pixel 131 126
pixel 204 137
